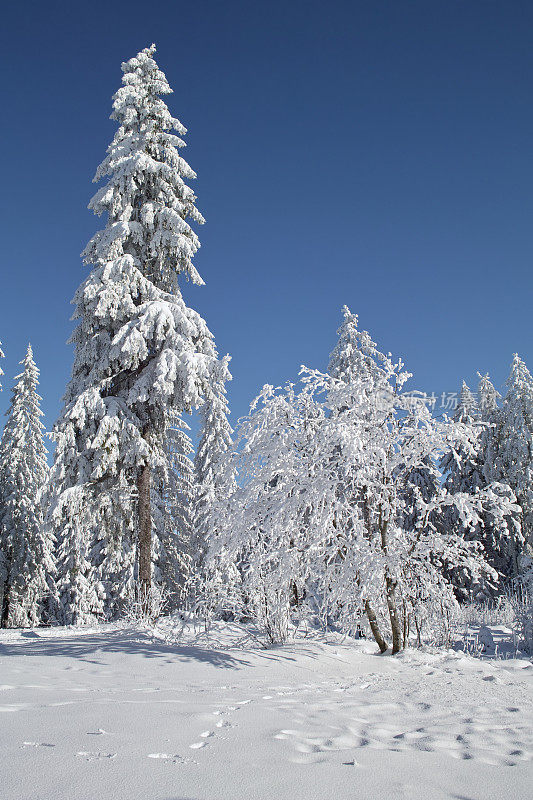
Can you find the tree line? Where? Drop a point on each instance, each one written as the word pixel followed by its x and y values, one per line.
pixel 341 497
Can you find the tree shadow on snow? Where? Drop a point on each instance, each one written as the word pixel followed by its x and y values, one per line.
pixel 89 647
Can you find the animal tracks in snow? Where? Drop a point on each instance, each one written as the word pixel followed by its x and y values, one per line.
pixel 88 756
pixel 37 744
pixel 171 758
pixel 222 723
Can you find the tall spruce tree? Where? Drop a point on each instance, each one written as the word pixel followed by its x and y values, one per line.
pixel 142 357
pixel 488 397
pixel 498 534
pixel 214 473
pixel 509 454
pixel 26 585
pixel 355 356
pixel 3 563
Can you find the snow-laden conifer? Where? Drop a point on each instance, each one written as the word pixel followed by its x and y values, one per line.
pixel 3 565
pixel 141 355
pixel 213 471
pixel 461 465
pixel 355 357
pixel 509 456
pixel 173 510
pixel 26 585
pixel 488 397
pixel 464 467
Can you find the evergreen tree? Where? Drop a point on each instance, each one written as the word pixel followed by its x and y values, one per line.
pixel 141 355
pixel 488 397
pixel 213 473
pixel 461 465
pixel 3 563
pixel 509 455
pixel 464 467
pixel 26 587
pixel 355 356
pixel 173 512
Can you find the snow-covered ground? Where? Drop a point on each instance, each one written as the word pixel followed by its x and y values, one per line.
pixel 117 713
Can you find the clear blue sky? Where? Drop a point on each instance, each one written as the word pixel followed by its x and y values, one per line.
pixel 378 154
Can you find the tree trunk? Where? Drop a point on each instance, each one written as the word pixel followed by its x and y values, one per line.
pixel 6 597
pixel 5 608
pixel 390 591
pixel 374 627
pixel 393 614
pixel 144 535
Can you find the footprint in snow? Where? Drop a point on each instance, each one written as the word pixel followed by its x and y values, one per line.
pixel 197 745
pixel 37 744
pixel 163 756
pixel 206 734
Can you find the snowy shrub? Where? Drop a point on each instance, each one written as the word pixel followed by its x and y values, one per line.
pixel 140 608
pixel 337 510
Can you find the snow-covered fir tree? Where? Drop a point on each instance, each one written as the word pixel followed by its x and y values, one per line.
pixel 461 465
pixel 213 473
pixel 488 397
pixel 142 357
pixel 3 563
pixel 173 510
pixel 464 469
pixel 355 356
pixel 27 579
pixel 509 454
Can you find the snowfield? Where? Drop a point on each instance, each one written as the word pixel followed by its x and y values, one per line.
pixel 118 713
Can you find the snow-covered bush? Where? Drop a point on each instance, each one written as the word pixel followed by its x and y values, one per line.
pixel 327 517
pixel 140 609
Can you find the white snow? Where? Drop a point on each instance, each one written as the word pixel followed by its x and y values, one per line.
pixel 119 713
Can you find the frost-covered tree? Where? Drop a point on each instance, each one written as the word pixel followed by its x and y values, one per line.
pixel 212 475
pixel 173 509
pixel 509 454
pixel 355 357
pixel 257 563
pixel 488 397
pixel 461 465
pixel 325 503
pixel 3 565
pixel 464 468
pixel 26 583
pixel 141 355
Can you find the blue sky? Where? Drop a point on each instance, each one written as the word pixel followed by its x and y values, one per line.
pixel 377 154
